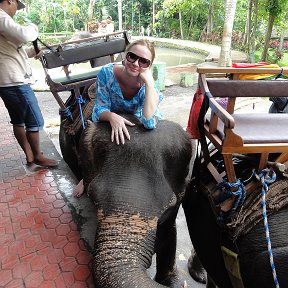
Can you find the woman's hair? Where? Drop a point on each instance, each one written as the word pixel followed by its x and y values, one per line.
pixel 143 42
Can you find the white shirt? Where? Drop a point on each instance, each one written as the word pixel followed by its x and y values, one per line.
pixel 14 63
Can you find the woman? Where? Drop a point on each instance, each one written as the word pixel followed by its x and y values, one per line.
pixel 127 87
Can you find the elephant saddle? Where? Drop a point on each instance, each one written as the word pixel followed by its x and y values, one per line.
pixel 74 127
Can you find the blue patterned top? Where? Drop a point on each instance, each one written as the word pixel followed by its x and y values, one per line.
pixel 109 97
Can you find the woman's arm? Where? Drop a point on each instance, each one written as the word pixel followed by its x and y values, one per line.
pixel 148 112
pixel 102 107
pixel 151 99
pixel 102 97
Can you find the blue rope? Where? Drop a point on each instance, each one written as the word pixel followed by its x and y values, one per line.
pixel 80 101
pixel 240 195
pixel 66 113
pixel 267 176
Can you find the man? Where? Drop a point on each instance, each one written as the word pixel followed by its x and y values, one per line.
pixel 102 28
pixel 110 25
pixel 15 80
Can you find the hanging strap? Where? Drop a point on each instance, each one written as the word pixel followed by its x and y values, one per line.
pixel 79 100
pixel 55 52
pixel 66 113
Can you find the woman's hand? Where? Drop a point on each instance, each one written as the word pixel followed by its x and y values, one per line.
pixel 146 76
pixel 118 125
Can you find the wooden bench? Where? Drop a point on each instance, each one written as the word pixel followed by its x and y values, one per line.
pixel 99 50
pixel 244 133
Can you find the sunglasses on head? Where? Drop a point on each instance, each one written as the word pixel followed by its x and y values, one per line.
pixel 143 62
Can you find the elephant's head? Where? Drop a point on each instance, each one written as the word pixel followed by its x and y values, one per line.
pixel 137 189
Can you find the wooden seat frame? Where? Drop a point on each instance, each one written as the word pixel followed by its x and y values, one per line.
pixel 221 125
pixel 101 47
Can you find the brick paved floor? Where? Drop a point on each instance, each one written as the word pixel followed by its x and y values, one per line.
pixel 40 245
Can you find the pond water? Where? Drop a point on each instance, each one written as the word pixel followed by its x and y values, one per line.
pixel 172 57
pixel 175 57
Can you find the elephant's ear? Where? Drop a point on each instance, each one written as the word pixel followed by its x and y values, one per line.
pixel 170 212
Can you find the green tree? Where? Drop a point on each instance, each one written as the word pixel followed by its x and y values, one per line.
pixel 225 54
pixel 91 10
pixel 120 14
pixel 176 8
pixel 274 9
pixel 252 39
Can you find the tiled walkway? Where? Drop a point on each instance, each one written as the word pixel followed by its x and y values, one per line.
pixel 40 245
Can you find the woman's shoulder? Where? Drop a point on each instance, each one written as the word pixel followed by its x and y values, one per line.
pixel 110 68
pixel 106 71
pixel 107 67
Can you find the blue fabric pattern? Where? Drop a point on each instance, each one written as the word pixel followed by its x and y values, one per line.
pixel 109 97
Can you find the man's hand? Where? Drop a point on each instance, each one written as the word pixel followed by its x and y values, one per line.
pixel 39 55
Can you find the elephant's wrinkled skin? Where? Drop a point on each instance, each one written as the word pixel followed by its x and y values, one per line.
pixel 137 189
pixel 207 238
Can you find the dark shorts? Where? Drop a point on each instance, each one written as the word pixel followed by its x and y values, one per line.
pixel 22 106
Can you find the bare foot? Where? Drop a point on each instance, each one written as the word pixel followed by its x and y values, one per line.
pixel 79 189
pixel 46 162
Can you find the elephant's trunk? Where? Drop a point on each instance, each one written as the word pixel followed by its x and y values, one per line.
pixel 124 246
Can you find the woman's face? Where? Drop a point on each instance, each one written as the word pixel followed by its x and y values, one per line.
pixel 138 59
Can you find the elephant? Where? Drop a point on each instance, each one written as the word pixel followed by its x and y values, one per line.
pixel 208 236
pixel 279 105
pixel 137 189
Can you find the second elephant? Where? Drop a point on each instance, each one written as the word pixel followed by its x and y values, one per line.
pixel 209 238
